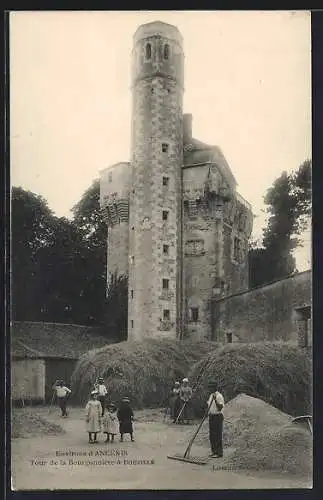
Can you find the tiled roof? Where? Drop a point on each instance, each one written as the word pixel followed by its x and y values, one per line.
pixel 53 340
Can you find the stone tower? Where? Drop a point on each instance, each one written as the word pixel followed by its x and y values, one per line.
pixel 154 306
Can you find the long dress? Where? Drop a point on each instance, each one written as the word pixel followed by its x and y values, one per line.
pixel 125 415
pixel 110 423
pixel 93 414
pixel 175 403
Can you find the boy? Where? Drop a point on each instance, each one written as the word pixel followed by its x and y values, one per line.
pixel 62 394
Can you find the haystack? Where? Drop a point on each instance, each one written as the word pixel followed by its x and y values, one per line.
pixel 258 436
pixel 144 371
pixel 279 374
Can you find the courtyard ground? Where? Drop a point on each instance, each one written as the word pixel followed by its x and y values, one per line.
pixel 66 460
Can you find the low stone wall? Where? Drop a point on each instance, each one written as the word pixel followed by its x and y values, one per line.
pixel 267 313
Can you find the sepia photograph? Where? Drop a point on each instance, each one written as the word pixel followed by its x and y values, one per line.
pixel 161 250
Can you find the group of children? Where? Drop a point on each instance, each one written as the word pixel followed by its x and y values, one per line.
pixel 109 422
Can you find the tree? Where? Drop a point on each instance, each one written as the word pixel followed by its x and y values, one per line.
pixel 288 206
pixel 116 313
pixel 31 234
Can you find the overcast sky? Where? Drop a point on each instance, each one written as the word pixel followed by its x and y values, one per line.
pixel 247 84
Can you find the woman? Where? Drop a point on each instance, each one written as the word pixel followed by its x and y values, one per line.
pixel 125 417
pixel 185 397
pixel 93 415
pixel 175 402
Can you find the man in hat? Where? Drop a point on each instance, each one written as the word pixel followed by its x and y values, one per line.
pixel 185 397
pixel 102 392
pixel 62 394
pixel 215 406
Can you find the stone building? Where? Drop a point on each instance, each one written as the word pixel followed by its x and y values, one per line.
pixel 177 227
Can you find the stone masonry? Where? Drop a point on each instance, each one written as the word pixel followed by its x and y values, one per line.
pixel 177 226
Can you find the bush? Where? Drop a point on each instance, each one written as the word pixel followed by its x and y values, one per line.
pixel 144 371
pixel 278 373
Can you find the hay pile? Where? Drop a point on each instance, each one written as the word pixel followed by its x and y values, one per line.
pixel 258 436
pixel 27 423
pixel 277 373
pixel 144 371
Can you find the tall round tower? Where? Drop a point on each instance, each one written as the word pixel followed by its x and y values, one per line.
pixel 155 197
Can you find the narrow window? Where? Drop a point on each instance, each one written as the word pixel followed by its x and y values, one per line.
pixel 194 313
pixel 236 248
pixel 186 207
pixel 132 323
pixel 132 259
pixel 132 228
pixel 165 181
pixel 165 284
pixel 165 214
pixel 132 294
pixel 110 177
pixel 164 147
pixel 165 249
pixel 229 337
pixel 166 51
pixel 166 314
pixel 148 51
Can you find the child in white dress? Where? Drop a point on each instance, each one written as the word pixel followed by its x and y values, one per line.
pixel 110 422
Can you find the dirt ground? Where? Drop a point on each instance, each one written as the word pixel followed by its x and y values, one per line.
pixel 67 461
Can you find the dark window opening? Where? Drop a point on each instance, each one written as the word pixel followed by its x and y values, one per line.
pixel 229 337
pixel 165 147
pixel 165 284
pixel 186 207
pixel 132 294
pixel 148 51
pixel 132 323
pixel 194 313
pixel 152 91
pixel 165 181
pixel 166 314
pixel 165 214
pixel 165 249
pixel 166 51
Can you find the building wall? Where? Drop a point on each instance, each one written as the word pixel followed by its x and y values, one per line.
pixel 28 379
pixel 156 120
pixel 263 314
pixel 115 185
pixel 212 219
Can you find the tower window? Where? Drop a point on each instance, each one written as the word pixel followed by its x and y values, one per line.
pixel 132 259
pixel 148 51
pixel 110 177
pixel 165 214
pixel 166 51
pixel 132 294
pixel 132 323
pixel 229 337
pixel 165 181
pixel 194 314
pixel 165 249
pixel 165 284
pixel 165 147
pixel 166 314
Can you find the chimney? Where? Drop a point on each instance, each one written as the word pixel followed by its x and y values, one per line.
pixel 187 127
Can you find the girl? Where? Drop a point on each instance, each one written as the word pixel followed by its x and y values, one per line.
pixel 93 414
pixel 125 417
pixel 110 422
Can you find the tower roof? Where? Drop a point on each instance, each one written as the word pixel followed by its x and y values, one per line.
pixel 157 28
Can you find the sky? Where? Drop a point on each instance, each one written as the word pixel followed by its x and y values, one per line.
pixel 247 84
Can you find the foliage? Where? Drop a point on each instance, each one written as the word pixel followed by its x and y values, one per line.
pixel 288 207
pixel 144 371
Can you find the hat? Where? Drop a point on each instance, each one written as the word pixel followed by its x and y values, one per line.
pixel 99 379
pixel 177 383
pixel 125 400
pixel 212 383
pixel 111 405
pixel 94 392
pixel 185 380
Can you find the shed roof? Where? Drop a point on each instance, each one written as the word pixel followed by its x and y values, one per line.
pixel 53 340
